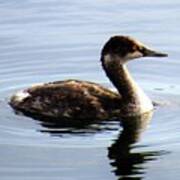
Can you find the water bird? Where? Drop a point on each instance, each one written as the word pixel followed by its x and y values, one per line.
pixel 82 100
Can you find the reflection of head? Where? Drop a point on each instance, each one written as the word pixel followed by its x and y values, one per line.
pixel 127 164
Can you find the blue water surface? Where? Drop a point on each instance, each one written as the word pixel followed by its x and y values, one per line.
pixel 48 40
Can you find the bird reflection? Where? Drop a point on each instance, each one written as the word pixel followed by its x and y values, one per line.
pixel 126 163
pixel 57 127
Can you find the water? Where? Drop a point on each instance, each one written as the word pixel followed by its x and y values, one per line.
pixel 44 41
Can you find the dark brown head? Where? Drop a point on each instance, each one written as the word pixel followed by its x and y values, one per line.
pixel 125 48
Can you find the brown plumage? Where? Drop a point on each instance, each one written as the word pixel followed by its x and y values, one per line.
pixel 83 100
pixel 70 98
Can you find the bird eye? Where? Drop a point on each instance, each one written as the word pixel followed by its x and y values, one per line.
pixel 134 48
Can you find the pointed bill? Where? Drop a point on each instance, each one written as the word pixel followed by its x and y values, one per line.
pixel 152 53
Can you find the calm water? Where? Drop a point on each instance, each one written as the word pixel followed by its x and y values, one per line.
pixel 47 40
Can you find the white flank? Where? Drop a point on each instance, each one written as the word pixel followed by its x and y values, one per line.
pixel 20 96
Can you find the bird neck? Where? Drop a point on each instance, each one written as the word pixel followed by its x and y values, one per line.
pixel 134 99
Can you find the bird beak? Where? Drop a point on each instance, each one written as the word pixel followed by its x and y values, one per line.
pixel 151 53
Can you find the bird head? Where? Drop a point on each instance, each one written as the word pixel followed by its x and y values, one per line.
pixel 125 48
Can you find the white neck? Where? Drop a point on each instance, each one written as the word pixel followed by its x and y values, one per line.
pixel 134 100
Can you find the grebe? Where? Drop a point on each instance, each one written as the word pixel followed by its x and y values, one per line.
pixel 83 100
